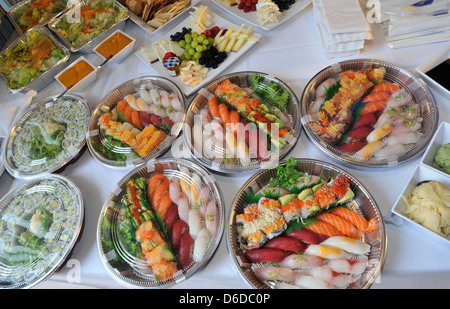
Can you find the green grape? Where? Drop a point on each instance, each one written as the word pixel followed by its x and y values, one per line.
pixel 191 51
pixel 194 35
pixel 182 43
pixel 188 46
pixel 200 39
pixel 199 48
pixel 188 38
pixel 194 44
pixel 197 55
pixel 211 41
pixel 187 56
pixel 205 42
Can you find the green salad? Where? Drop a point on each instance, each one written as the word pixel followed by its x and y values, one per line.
pixel 33 55
pixel 95 17
pixel 37 12
pixel 47 140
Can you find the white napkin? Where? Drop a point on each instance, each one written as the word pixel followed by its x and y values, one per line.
pixel 343 16
pixel 11 111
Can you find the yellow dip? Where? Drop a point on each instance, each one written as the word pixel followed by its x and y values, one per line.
pixel 113 45
pixel 74 74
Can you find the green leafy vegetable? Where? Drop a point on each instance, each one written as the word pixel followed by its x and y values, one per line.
pixel 47 140
pixel 271 93
pixel 287 174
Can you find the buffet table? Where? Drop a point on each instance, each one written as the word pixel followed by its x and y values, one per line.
pixel 291 52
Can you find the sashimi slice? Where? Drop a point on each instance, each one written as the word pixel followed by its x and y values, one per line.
pixel 358 220
pixel 342 225
pixel 386 87
pixel 377 96
pixel 365 120
pixel 324 228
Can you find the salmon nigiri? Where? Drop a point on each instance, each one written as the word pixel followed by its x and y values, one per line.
pixel 213 105
pixel 341 224
pixel 377 96
pixel 358 220
pixel 386 87
pixel 372 107
pixel 324 229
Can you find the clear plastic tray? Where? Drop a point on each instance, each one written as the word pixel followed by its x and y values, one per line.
pixel 202 215
pixel 407 80
pixel 220 156
pixel 40 223
pixel 113 149
pixel 362 202
pixel 62 122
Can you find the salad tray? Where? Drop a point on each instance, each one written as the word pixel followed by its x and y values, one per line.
pixel 183 180
pixel 362 203
pixel 43 220
pixel 231 161
pixel 46 77
pixel 89 46
pixel 420 105
pixel 16 12
pixel 70 114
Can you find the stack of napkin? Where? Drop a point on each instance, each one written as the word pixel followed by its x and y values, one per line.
pixel 342 25
pixel 413 22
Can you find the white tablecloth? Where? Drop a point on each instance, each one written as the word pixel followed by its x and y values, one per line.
pixel 291 52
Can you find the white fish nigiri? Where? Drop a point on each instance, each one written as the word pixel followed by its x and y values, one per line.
pixel 155 96
pixel 348 244
pixel 174 189
pixel 203 198
pixel 367 151
pixel 195 223
pixel 295 261
pixel 175 102
pixel 403 138
pixel 379 133
pixel 158 110
pixel 145 96
pixel 142 106
pixel 311 282
pixel 200 243
pixel 131 100
pixel 280 285
pixel 327 252
pixel 390 150
pixel 183 207
pixel 337 279
pixel 211 217
pixel 164 96
pixel 276 273
pixel 398 99
pixel 354 267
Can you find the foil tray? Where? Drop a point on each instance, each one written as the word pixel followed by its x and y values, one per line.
pixel 88 47
pixel 363 203
pixel 47 77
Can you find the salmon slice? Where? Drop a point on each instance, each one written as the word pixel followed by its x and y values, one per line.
pixel 213 105
pixel 154 181
pixel 224 113
pixel 372 107
pixel 342 225
pixel 356 219
pixel 377 96
pixel 324 228
pixel 386 87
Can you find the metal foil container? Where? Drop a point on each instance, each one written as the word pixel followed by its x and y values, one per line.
pixel 132 271
pixel 69 109
pixel 406 79
pixel 200 101
pixel 14 11
pixel 88 47
pixel 362 202
pixel 47 77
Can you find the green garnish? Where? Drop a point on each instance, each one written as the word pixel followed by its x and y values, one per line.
pixel 287 174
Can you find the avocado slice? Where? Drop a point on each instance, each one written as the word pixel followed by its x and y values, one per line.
pixel 315 187
pixel 286 198
pixel 305 193
pixel 347 197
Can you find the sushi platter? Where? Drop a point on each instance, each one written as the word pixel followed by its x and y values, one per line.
pixel 50 135
pixel 178 203
pixel 244 144
pixel 190 88
pixel 270 18
pixel 289 232
pixel 349 113
pixel 40 223
pixel 135 122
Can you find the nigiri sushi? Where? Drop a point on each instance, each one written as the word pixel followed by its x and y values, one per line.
pixel 367 151
pixel 379 133
pixel 348 244
pixel 212 217
pixel 390 150
pixel 276 273
pixel 335 278
pixel 200 243
pixel 403 138
pixel 354 267
pixel 295 261
pixel 311 282
pixel 327 252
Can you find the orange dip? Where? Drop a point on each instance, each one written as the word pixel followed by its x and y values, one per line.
pixel 74 74
pixel 113 45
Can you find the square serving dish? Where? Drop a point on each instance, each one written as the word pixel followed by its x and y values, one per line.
pixel 123 53
pixel 421 173
pixel 430 64
pixel 84 82
pixel 440 138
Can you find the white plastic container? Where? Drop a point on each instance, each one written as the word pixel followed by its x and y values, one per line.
pixel 440 138
pixel 123 53
pixel 83 83
pixel 422 69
